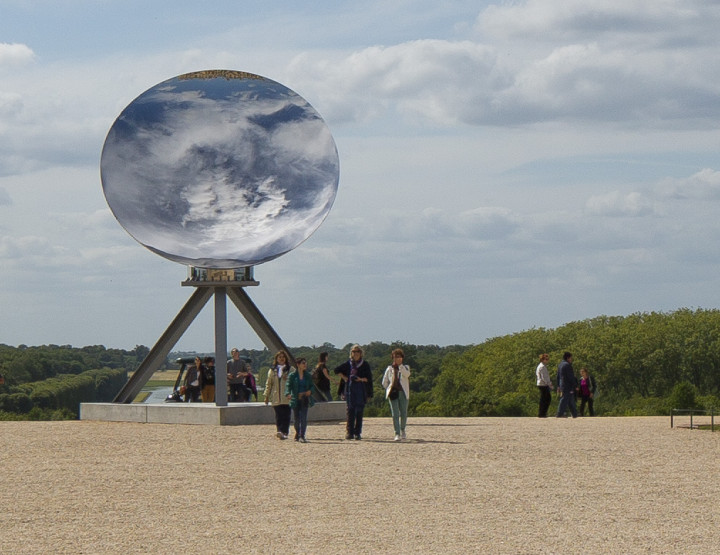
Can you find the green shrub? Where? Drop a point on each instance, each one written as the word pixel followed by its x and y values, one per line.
pixel 15 402
pixel 511 404
pixel 683 396
pixel 427 409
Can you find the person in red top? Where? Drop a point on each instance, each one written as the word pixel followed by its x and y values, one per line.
pixel 587 392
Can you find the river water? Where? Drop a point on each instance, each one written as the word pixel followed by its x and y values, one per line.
pixel 158 394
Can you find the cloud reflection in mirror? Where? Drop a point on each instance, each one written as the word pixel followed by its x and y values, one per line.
pixel 220 169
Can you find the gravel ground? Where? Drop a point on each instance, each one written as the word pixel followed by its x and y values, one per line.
pixel 464 485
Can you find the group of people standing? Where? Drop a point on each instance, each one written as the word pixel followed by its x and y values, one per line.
pixel 199 382
pixel 568 387
pixel 294 390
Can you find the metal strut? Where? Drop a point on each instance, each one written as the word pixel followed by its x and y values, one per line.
pixel 182 321
pixel 160 351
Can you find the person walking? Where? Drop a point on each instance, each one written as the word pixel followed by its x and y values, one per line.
pixel 544 385
pixel 357 377
pixel 299 388
pixel 275 393
pixel 567 383
pixel 587 391
pixel 397 391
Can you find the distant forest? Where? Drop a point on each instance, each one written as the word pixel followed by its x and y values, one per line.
pixel 644 364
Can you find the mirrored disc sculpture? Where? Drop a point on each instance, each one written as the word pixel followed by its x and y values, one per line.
pixel 219 169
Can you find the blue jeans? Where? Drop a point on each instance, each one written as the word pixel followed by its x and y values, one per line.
pixel 567 400
pixel 300 413
pixel 398 408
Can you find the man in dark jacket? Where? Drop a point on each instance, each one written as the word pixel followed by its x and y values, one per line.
pixel 357 377
pixel 567 383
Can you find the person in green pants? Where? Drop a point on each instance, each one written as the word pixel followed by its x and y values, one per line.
pixel 397 391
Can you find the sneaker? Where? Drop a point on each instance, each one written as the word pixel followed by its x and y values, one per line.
pixel 397 437
pixel 358 437
pixel 402 435
pixel 303 440
pixel 284 436
pixel 279 435
pixel 348 436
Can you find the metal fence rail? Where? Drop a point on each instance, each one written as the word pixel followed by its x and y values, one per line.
pixel 692 412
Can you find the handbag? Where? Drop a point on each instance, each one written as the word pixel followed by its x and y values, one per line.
pixel 395 387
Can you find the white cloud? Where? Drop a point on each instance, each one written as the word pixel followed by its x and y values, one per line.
pixel 616 203
pixel 703 185
pixel 642 63
pixel 12 54
pixel 432 78
pixel 28 246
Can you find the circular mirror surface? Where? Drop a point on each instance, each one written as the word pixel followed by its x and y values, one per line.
pixel 220 169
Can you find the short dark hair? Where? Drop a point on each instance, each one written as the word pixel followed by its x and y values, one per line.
pixel 567 355
pixel 301 359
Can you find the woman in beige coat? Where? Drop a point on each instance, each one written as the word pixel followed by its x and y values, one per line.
pixel 275 393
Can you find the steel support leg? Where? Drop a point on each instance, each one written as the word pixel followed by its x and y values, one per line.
pixel 257 321
pixel 160 351
pixel 221 394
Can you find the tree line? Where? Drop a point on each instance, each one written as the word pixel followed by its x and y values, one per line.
pixel 49 382
pixel 643 364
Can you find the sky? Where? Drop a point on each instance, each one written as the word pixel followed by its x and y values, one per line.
pixel 503 166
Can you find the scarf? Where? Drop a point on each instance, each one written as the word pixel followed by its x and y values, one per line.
pixel 354 367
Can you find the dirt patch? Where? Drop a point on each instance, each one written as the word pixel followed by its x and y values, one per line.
pixel 483 485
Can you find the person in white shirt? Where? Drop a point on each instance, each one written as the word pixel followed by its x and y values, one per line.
pixel 397 392
pixel 544 385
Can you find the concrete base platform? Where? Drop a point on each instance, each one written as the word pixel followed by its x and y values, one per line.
pixel 235 414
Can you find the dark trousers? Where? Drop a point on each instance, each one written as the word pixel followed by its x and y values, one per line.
pixel 545 399
pixel 240 392
pixel 354 421
pixel 300 413
pixel 589 401
pixel 282 418
pixel 192 394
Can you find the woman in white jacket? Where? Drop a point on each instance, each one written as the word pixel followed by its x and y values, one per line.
pixel 397 391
